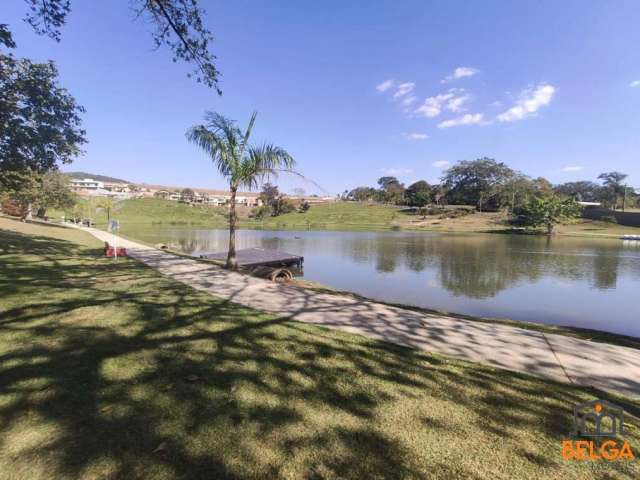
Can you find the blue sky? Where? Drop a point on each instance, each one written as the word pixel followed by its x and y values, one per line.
pixel 355 90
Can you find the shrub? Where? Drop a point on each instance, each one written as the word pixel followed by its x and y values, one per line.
pixel 304 206
pixel 12 207
pixel 281 205
pixel 260 212
pixel 547 212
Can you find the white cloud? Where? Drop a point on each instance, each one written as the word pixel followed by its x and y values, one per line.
pixel 397 171
pixel 468 119
pixel 416 136
pixel 635 83
pixel 451 100
pixel 572 168
pixel 531 99
pixel 403 93
pixel 432 106
pixel 460 72
pixel 404 89
pixel 407 101
pixel 441 164
pixel 384 86
pixel 455 104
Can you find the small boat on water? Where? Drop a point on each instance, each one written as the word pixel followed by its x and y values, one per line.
pixel 631 237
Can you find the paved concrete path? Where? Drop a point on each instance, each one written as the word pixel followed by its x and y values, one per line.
pixel 563 358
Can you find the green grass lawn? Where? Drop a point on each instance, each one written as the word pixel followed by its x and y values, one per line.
pixel 598 228
pixel 331 215
pixel 364 215
pixel 109 370
pixel 341 214
pixel 149 211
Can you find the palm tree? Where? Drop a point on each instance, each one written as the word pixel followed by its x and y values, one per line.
pixel 241 164
pixel 106 203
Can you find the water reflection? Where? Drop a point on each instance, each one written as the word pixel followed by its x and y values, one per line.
pixel 579 281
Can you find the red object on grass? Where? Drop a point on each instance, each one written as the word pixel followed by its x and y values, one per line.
pixel 109 251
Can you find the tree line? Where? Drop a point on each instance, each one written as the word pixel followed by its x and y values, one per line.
pixel 490 185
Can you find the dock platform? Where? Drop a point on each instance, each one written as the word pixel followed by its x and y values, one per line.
pixel 259 257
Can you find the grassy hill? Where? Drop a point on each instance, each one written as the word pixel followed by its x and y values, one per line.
pixel 148 211
pixel 341 214
pixel 331 216
pixel 357 215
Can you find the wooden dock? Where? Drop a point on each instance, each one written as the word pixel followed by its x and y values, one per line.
pixel 259 257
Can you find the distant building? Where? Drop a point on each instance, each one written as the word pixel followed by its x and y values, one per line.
pixel 118 187
pixel 249 201
pixel 91 187
pixel 202 196
pixel 96 188
pixel 86 184
pixel 161 193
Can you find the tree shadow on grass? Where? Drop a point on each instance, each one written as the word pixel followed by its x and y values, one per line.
pixel 132 375
pixel 17 243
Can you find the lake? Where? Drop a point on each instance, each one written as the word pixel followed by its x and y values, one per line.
pixel 583 282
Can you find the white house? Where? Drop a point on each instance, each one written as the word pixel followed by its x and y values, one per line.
pixel 86 184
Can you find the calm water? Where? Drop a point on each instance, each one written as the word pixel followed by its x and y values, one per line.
pixel 591 283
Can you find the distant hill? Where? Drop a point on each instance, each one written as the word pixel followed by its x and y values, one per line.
pixel 100 178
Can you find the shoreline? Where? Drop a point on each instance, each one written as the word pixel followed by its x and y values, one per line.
pixel 551 355
pixel 371 228
pixel 600 336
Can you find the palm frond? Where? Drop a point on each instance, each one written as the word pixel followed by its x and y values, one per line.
pixel 269 156
pixel 260 162
pixel 248 175
pixel 242 164
pixel 215 146
pixel 247 134
pixel 226 126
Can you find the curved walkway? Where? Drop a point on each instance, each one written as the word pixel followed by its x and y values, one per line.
pixel 567 359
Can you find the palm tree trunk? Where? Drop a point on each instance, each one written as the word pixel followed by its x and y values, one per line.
pixel 232 262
